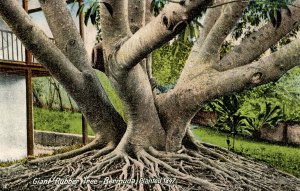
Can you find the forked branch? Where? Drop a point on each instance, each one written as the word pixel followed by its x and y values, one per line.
pixel 209 52
pixel 258 42
pixel 165 26
pixel 208 86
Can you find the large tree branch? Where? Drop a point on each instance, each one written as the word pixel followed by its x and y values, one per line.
pixel 114 23
pixel 210 19
pixel 115 30
pixel 209 52
pixel 257 43
pixel 208 86
pixel 148 17
pixel 189 95
pixel 148 14
pixel 65 33
pixel 165 26
pixel 137 19
pixel 139 13
pixel 185 101
pixel 133 85
pixel 136 14
pixel 229 16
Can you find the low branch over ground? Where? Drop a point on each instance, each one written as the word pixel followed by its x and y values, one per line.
pixel 211 85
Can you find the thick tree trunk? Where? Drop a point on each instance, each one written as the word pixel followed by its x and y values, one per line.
pixel 133 86
pixel 143 126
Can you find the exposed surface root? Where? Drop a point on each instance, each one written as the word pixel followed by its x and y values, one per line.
pixel 208 168
pixel 91 146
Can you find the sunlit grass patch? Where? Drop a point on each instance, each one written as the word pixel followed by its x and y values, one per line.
pixel 285 158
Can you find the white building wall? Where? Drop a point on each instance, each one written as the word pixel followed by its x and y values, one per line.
pixel 13 136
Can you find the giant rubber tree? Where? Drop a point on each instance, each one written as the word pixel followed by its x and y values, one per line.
pixel 155 142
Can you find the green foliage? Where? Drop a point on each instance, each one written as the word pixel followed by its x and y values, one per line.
pixel 260 11
pixel 257 12
pixel 44 87
pixel 49 90
pixel 229 117
pixel 281 157
pixel 169 60
pixel 38 85
pixel 226 47
pixel 191 32
pixel 90 9
pixel 268 116
pixel 10 163
pixel 266 105
pixel 285 93
pixel 157 5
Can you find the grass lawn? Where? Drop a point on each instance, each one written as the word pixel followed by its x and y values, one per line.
pixel 284 158
pixel 63 122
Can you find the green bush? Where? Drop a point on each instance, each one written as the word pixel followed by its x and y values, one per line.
pixel 268 116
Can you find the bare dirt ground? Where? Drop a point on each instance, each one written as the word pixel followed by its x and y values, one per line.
pixel 45 150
